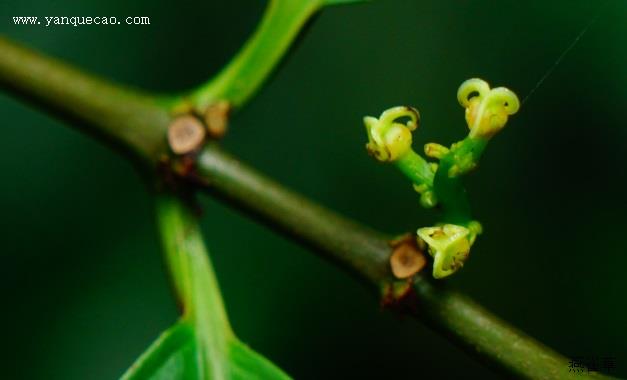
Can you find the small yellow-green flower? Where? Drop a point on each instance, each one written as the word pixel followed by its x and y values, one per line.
pixel 487 110
pixel 449 245
pixel 389 139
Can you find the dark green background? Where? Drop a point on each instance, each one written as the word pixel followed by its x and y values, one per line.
pixel 84 290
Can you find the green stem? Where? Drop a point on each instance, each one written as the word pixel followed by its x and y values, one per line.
pixel 366 254
pixel 449 188
pixel 245 73
pixel 416 168
pixel 129 120
pixel 452 197
pixel 196 285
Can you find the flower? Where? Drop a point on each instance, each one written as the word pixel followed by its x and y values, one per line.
pixel 387 138
pixel 487 110
pixel 449 245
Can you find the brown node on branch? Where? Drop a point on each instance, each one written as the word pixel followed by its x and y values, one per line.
pixel 185 134
pixel 406 259
pixel 395 294
pixel 217 118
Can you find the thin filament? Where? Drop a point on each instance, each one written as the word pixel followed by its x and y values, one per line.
pixel 564 53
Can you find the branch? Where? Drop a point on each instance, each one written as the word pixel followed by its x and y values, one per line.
pixel 355 246
pixel 366 254
pixel 126 119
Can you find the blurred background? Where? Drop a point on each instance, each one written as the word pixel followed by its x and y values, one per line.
pixel 82 279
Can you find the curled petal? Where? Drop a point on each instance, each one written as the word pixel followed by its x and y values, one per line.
pixel 471 88
pixel 392 114
pixel 505 98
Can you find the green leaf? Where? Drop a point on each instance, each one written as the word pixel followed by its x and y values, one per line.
pixel 171 356
pixel 201 346
pixel 174 355
pixel 246 364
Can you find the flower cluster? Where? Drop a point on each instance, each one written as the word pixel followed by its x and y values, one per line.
pixel 389 140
